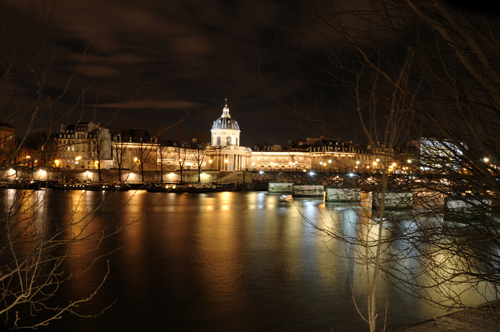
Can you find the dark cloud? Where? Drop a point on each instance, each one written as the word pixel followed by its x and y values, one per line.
pixel 186 54
pixel 142 104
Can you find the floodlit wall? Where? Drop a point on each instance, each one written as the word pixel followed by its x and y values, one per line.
pixel 308 190
pixel 343 194
pixel 468 208
pixel 394 200
pixel 280 187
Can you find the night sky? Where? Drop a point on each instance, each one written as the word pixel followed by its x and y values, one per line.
pixel 186 55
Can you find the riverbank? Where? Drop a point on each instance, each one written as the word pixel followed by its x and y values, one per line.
pixel 485 318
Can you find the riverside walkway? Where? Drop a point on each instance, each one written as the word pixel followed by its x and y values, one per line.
pixel 485 318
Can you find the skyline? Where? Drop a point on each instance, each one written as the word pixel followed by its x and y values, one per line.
pixel 186 55
pixel 182 56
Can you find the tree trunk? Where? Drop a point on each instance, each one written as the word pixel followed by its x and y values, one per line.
pixel 161 170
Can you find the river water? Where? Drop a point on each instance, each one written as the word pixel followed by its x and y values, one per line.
pixel 227 261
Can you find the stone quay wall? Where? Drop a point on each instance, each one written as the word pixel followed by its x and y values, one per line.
pixel 83 175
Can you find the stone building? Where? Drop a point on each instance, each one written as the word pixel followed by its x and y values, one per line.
pixel 7 142
pixel 133 147
pixel 225 152
pixel 79 145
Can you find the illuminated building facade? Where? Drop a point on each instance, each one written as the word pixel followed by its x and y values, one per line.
pixel 78 146
pixel 226 154
pixel 7 142
pixel 133 148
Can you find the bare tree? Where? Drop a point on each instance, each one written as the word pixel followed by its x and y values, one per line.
pixel 99 146
pixel 181 158
pixel 38 249
pixel 144 148
pixel 119 153
pixel 199 158
pixel 162 151
pixel 435 73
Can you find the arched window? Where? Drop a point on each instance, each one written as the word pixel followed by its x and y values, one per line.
pixel 218 140
pixel 236 140
pixel 228 140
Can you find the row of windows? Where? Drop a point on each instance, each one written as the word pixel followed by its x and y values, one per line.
pixel 228 140
pixel 77 149
pixel 68 161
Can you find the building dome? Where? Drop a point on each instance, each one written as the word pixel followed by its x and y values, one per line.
pixel 225 121
pixel 225 131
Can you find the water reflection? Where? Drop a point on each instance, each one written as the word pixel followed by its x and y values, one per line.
pixel 227 261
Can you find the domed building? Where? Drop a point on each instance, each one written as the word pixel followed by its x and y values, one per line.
pixel 225 152
pixel 225 131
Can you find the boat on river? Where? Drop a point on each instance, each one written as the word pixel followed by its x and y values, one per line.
pixel 92 186
pixel 182 188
